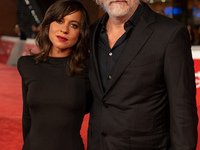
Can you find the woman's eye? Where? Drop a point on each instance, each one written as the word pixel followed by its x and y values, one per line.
pixel 59 21
pixel 74 26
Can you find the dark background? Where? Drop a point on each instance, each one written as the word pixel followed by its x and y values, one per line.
pixel 14 12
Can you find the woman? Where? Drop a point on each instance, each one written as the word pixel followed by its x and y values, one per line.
pixel 55 84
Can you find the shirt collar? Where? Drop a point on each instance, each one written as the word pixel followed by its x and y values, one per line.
pixel 135 17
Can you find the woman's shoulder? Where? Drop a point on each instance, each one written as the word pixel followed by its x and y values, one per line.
pixel 25 61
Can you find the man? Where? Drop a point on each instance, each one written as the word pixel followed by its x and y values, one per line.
pixel 142 76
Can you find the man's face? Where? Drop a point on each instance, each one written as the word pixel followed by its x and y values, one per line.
pixel 120 8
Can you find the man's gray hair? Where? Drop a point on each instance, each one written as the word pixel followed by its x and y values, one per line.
pixel 99 2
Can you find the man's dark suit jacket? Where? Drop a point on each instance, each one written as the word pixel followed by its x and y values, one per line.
pixel 150 101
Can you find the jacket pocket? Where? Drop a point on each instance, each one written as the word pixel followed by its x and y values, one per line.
pixel 143 61
pixel 150 142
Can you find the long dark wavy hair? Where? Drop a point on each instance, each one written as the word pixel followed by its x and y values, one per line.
pixel 79 53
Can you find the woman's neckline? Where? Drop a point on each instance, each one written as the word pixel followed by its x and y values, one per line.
pixel 58 57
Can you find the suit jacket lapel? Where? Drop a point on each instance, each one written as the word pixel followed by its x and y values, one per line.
pixel 140 35
pixel 95 75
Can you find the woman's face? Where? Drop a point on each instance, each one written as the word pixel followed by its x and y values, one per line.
pixel 64 34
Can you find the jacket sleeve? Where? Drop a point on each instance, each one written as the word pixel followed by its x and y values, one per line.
pixel 26 120
pixel 181 88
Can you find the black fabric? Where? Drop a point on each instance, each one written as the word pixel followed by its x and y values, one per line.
pixel 53 104
pixel 108 57
pixel 149 104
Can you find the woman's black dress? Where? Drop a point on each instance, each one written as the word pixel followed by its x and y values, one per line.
pixel 53 104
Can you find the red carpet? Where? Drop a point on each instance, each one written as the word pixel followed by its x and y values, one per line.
pixel 11 110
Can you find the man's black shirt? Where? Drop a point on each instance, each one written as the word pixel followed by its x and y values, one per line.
pixel 108 57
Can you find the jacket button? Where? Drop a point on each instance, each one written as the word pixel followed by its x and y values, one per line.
pixel 103 134
pixel 109 77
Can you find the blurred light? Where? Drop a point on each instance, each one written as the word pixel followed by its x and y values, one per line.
pixel 32 11
pixel 151 1
pixel 173 11
pixel 104 8
pixel 196 12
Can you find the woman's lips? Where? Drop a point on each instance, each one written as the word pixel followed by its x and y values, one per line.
pixel 61 38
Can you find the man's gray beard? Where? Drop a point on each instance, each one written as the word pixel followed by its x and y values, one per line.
pixel 117 11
